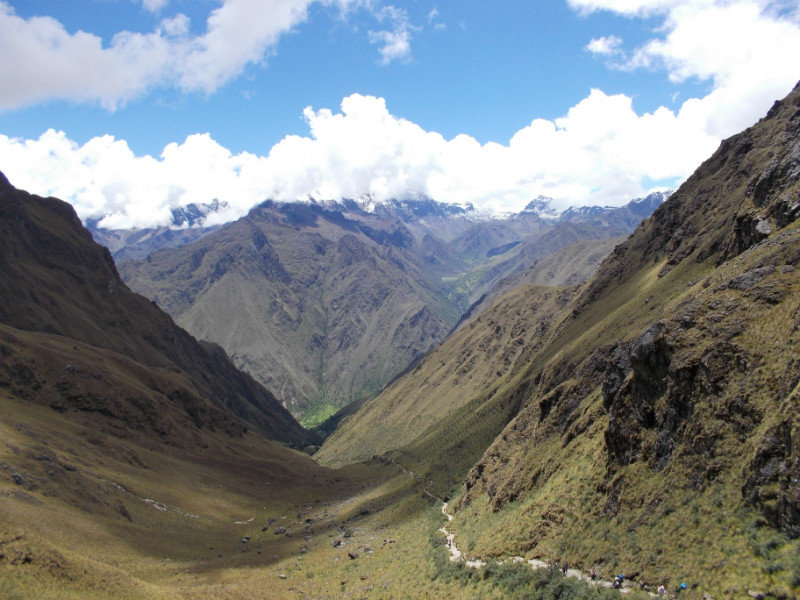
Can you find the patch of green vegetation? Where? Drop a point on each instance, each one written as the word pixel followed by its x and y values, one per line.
pixel 317 413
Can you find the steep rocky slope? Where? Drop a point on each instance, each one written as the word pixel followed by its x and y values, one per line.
pixel 652 427
pixel 327 302
pixel 58 282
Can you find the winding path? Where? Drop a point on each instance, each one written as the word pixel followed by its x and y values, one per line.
pixel 535 564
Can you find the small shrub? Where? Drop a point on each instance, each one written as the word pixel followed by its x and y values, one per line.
pixel 512 576
pixel 772 567
pixel 796 576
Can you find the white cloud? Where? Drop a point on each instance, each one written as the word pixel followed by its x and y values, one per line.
pixel 396 43
pixel 599 153
pixel 43 61
pixel 745 49
pixel 154 6
pixel 239 32
pixel 638 8
pixel 605 45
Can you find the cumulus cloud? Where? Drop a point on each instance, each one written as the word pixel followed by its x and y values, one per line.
pixel 42 60
pixel 746 50
pixel 600 152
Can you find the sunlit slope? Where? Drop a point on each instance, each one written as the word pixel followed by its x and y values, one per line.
pixel 327 302
pixel 569 266
pixel 115 499
pixel 474 361
pixel 133 462
pixel 653 426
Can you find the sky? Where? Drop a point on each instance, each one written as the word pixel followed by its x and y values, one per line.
pixel 129 108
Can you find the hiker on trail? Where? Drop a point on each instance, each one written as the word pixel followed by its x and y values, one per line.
pixel 662 590
pixel 593 574
pixel 680 588
pixel 564 568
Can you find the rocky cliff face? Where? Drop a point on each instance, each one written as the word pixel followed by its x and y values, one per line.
pixel 58 282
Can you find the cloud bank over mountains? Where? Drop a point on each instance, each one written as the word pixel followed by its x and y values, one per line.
pixel 600 152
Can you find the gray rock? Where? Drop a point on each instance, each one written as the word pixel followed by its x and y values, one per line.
pixel 23 497
pixel 750 278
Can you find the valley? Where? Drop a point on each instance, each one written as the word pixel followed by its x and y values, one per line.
pixel 326 303
pixel 624 404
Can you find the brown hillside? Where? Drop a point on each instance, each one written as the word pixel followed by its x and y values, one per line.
pixel 57 280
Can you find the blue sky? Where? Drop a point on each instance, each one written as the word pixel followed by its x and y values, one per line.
pixel 490 102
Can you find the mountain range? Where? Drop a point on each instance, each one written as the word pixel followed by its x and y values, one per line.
pixel 58 283
pixel 326 302
pixel 644 421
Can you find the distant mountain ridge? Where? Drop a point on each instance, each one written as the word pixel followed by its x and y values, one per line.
pixel 325 302
pixel 188 223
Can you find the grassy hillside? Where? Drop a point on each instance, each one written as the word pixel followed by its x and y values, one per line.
pixel 122 475
pixel 88 510
pixel 473 362
pixel 569 266
pixel 651 427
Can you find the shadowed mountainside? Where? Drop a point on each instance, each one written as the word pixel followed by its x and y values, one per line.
pixel 58 282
